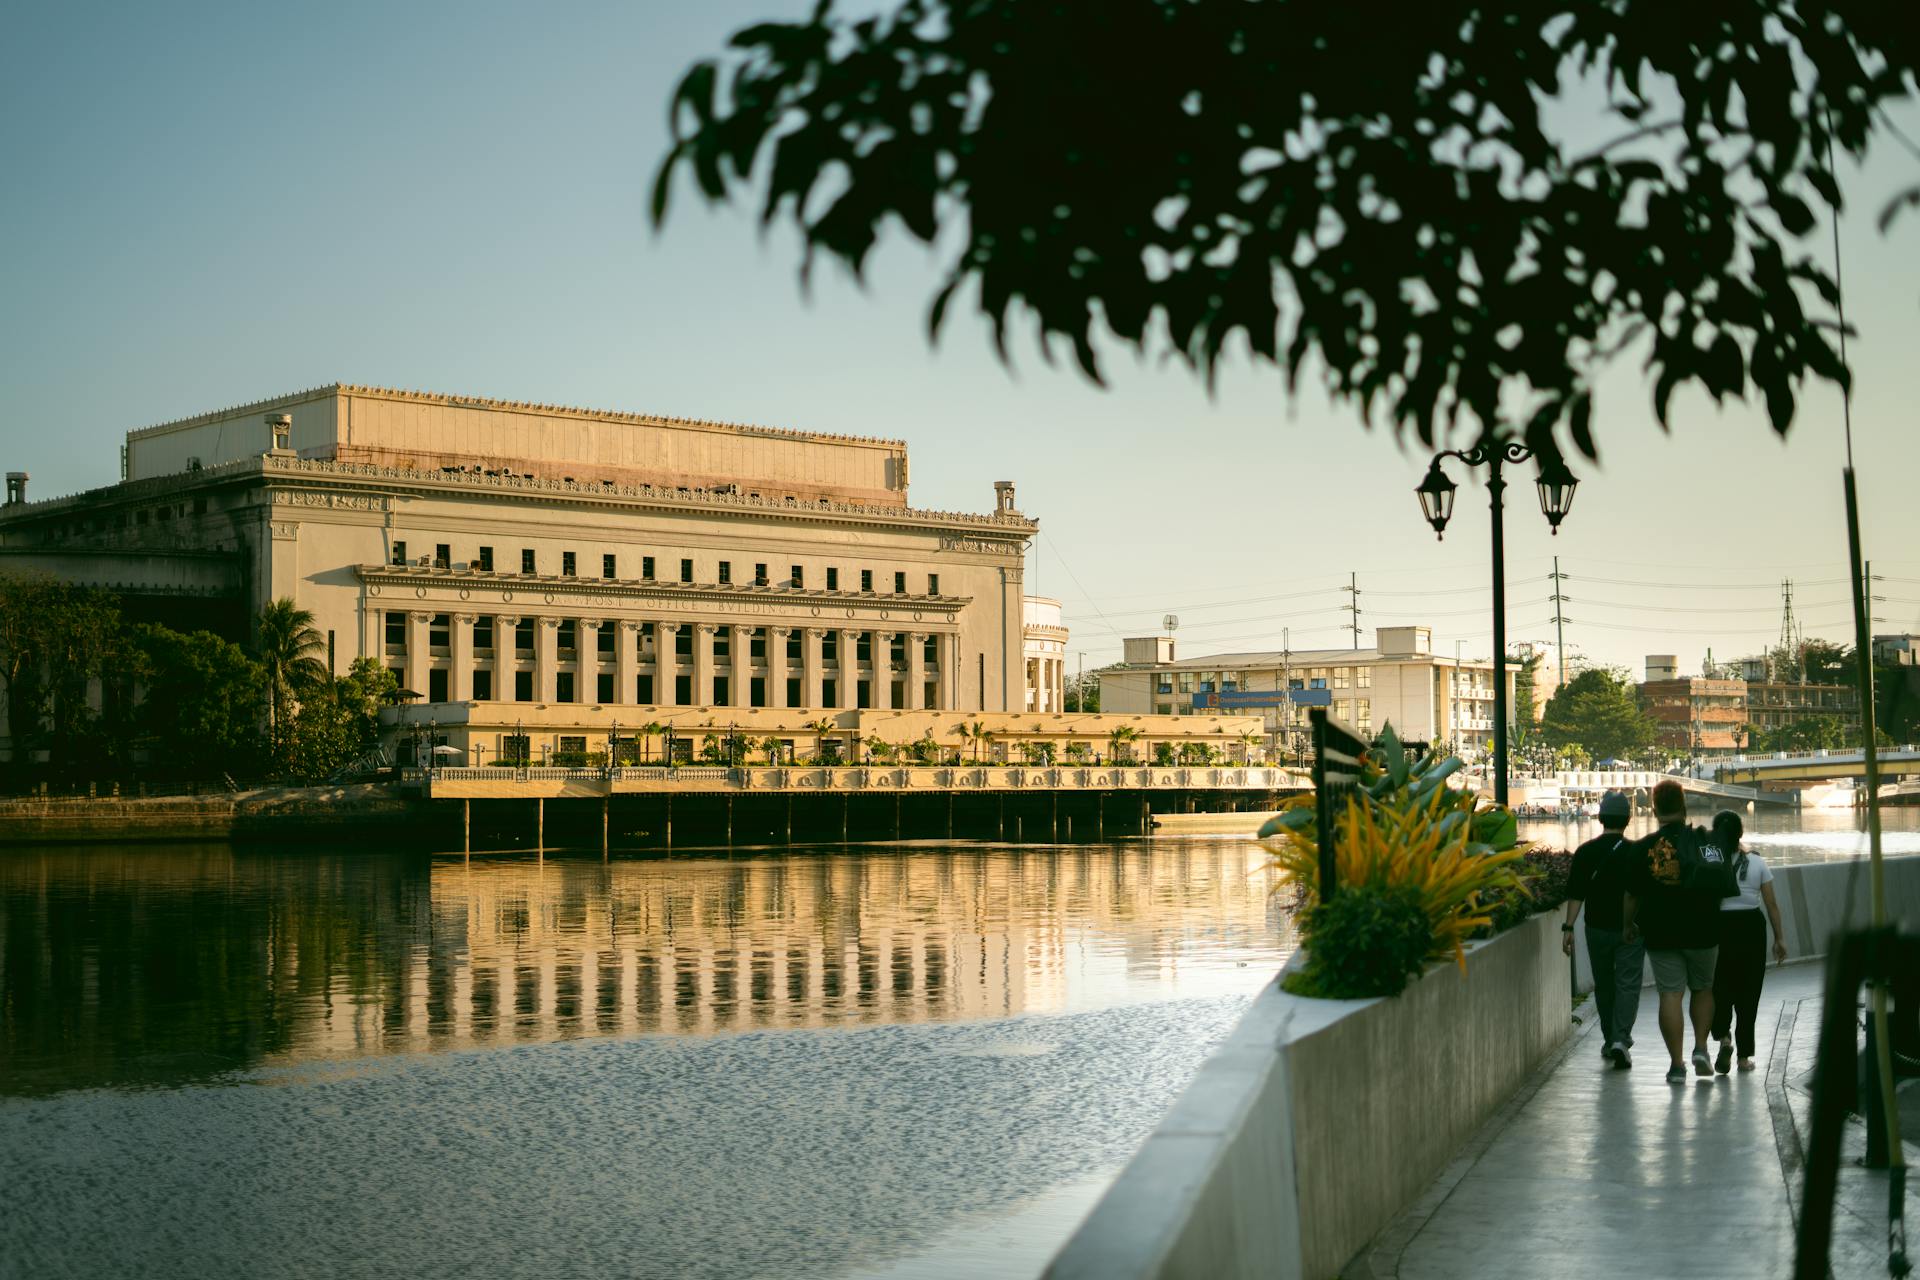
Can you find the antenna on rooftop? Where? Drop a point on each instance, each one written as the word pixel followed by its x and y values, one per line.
pixel 1171 623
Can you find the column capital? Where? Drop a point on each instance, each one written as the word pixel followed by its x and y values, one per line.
pixel 625 625
pixel 467 619
pixel 421 616
pixel 546 621
pixel 818 633
pixel 920 637
pixel 591 622
pixel 507 619
pixel 780 631
pixel 707 628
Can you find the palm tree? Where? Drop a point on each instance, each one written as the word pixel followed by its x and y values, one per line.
pixel 289 646
pixel 1119 739
pixel 651 729
pixel 772 745
pixel 821 728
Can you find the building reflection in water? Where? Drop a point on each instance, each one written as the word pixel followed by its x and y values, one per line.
pixel 148 966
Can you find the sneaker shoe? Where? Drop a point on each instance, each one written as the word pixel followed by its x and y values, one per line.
pixel 1746 1064
pixel 1701 1067
pixel 1621 1058
pixel 1676 1074
pixel 1723 1061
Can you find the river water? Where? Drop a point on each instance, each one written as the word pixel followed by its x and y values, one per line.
pixel 909 1061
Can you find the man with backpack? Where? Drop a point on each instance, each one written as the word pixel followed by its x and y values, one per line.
pixel 1598 882
pixel 1676 878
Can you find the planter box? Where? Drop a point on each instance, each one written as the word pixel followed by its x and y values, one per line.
pixel 1319 1120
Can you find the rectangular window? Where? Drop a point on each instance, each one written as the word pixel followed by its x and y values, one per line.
pixel 866 580
pixel 643 690
pixel 793 647
pixel 757 643
pixel 399 553
pixel 757 692
pixel 863 694
pixel 833 579
pixel 1363 677
pixel 569 639
pixel 483 686
pixel 515 748
pixel 605 691
pixel 523 636
pixel 799 578
pixel 683 640
pixel 721 694
pixel 726 572
pixel 863 646
pixel 686 571
pixel 793 693
pixel 1341 677
pixel 566 564
pixel 436 685
pixel 603 643
pixel 827 691
pixel 646 568
pixel 830 647
pixel 1316 682
pixel 683 691
pixel 442 555
pixel 396 631
pixel 526 560
pixel 899 584
pixel 930 651
pixel 523 686
pixel 607 566
pixel 563 686
pixel 759 575
pixel 723 643
pixel 572 746
pixel 485 563
pixel 933 584
pixel 439 631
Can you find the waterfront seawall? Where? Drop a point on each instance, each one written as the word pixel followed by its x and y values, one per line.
pixel 275 813
pixel 1320 1120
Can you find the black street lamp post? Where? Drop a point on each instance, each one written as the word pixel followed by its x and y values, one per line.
pixel 1556 485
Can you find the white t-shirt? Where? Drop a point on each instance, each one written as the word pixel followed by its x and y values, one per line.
pixel 1748 899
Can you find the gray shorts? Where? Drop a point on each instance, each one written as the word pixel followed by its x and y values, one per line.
pixel 1688 970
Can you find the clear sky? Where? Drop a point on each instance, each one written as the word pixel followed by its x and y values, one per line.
pixel 205 205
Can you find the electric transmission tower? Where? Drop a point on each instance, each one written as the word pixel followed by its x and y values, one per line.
pixel 1352 606
pixel 1560 619
pixel 1790 652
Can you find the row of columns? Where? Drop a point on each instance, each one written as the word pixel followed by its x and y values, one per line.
pixel 813 668
pixel 1047 684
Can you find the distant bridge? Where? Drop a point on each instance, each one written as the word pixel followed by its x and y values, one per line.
pixel 1791 769
pixel 1598 781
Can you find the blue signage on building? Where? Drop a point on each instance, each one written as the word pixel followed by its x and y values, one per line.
pixel 1252 699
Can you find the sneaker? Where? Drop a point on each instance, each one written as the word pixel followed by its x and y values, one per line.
pixel 1723 1061
pixel 1746 1064
pixel 1676 1074
pixel 1701 1067
pixel 1621 1058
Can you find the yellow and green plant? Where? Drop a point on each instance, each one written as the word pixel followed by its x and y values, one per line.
pixel 1403 829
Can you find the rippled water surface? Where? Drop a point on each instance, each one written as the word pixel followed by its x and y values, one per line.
pixel 220 1062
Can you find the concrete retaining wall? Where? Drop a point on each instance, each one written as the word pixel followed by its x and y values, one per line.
pixel 282 814
pixel 1816 900
pixel 1319 1120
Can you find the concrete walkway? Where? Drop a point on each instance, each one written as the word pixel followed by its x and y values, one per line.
pixel 1615 1174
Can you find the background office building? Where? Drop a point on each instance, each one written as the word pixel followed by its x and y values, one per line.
pixel 1400 681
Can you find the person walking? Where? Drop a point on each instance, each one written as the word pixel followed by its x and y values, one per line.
pixel 1675 880
pixel 1598 883
pixel 1742 966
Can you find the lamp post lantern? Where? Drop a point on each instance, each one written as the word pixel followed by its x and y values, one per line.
pixel 1555 484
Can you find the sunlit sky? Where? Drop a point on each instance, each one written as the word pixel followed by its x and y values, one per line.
pixel 206 205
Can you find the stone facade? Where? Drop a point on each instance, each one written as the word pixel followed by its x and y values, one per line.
pixel 495 551
pixel 1044 644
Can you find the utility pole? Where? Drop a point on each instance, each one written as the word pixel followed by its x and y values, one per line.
pixel 1353 606
pixel 1560 620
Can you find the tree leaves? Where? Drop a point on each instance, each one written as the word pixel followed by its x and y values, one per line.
pixel 1394 215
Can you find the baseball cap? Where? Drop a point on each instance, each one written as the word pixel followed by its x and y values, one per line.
pixel 1615 804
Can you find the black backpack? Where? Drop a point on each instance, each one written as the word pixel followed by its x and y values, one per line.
pixel 1705 867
